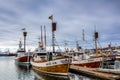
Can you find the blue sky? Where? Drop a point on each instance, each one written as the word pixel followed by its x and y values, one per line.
pixel 71 16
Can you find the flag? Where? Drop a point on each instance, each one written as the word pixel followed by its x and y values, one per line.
pixel 50 17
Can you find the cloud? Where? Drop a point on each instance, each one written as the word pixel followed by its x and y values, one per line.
pixel 71 17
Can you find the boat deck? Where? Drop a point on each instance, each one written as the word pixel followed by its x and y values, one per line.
pixel 92 73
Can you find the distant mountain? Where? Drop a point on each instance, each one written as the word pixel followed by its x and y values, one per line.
pixel 6 54
pixel 2 52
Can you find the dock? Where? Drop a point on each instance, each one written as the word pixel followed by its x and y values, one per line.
pixel 112 71
pixel 8 54
pixel 92 73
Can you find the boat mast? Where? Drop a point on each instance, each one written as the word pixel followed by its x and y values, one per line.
pixel 53 35
pixel 20 44
pixel 45 36
pixel 24 34
pixel 53 30
pixel 83 35
pixel 96 47
pixel 78 47
pixel 41 37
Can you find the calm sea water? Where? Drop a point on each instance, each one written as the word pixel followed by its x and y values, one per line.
pixel 11 71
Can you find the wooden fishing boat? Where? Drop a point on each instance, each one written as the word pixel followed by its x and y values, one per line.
pixel 81 59
pixel 44 62
pixel 96 60
pixel 49 62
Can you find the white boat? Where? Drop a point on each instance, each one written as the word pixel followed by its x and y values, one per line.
pixel 22 57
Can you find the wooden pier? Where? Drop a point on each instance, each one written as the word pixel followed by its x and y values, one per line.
pixel 92 73
pixel 112 71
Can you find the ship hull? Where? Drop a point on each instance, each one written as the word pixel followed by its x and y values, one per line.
pixel 91 63
pixel 23 60
pixel 54 67
pixel 95 62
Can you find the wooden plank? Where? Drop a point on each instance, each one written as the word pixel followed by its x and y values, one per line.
pixel 91 73
pixel 113 71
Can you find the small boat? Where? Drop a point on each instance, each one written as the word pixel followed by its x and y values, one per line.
pixel 85 60
pixel 96 60
pixel 49 62
pixel 22 57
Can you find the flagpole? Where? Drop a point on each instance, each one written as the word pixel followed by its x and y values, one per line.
pixel 52 18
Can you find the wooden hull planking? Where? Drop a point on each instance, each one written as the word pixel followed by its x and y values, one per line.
pixel 90 65
pixel 55 70
pixel 56 67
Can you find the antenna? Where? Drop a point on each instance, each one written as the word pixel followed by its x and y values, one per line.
pixel 41 36
pixel 96 37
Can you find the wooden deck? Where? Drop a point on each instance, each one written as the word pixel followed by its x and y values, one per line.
pixel 92 73
pixel 112 71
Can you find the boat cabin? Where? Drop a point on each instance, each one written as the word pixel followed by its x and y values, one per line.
pixel 40 55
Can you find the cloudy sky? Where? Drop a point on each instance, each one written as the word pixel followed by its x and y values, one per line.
pixel 72 16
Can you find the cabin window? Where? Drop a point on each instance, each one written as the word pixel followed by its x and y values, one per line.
pixel 48 64
pixel 54 62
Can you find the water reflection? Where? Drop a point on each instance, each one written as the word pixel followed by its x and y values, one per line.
pixel 23 68
pixel 78 77
pixel 11 71
pixel 43 76
pixel 24 72
pixel 27 73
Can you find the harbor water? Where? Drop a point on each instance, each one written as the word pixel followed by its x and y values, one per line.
pixel 9 70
